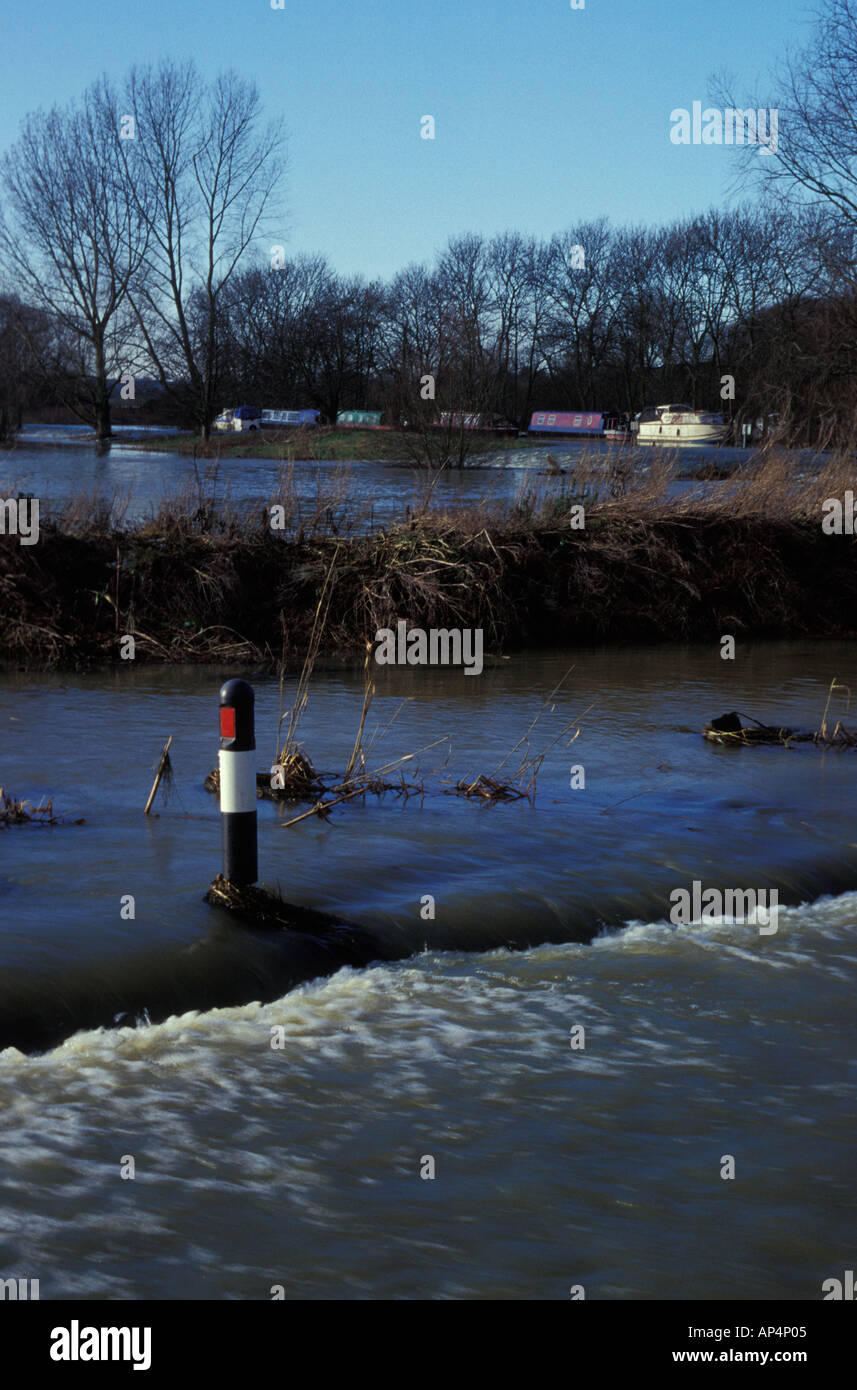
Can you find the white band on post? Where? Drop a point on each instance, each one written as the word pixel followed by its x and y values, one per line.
pixel 237 781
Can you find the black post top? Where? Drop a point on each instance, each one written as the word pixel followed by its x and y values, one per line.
pixel 237 716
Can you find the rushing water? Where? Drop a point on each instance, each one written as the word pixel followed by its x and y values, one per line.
pixel 300 1165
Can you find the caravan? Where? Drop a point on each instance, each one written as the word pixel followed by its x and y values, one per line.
pixel 250 417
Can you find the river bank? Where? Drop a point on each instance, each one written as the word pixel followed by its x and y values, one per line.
pixel 561 565
pixel 324 445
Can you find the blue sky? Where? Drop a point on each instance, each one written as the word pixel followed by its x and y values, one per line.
pixel 544 114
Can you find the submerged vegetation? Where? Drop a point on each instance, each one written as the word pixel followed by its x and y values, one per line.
pixel 295 779
pixel 15 812
pixel 205 580
pixel 740 730
pixel 260 909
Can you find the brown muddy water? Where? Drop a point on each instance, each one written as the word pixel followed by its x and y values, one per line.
pixel 300 1165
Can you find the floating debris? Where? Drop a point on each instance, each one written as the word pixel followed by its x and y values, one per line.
pixel 164 773
pixel 728 729
pixel 257 907
pixel 265 909
pixel 521 784
pixel 295 779
pixel 14 812
pixel 487 789
pixel 361 786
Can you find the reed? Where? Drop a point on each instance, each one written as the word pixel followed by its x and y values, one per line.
pixel 204 579
pixel 16 812
pixel 521 783
pixel 729 729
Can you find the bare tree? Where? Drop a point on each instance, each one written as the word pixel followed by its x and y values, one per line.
pixel 268 332
pixel 519 287
pixel 26 334
pixel 584 307
pixel 815 153
pixel 341 341
pixel 70 237
pixel 204 176
pixel 440 360
pixel 639 326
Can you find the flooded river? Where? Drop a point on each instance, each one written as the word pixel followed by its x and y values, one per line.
pixel 300 1164
pixel 368 492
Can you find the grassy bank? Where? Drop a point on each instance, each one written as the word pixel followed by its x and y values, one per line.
pixel 345 445
pixel 199 584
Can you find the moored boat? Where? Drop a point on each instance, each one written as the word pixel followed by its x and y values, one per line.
pixel 359 419
pixel 618 428
pixel 571 422
pixel 679 424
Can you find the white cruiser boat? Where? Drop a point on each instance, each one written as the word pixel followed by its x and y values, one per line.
pixel 679 424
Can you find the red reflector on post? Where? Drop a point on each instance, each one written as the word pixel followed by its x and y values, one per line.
pixel 227 721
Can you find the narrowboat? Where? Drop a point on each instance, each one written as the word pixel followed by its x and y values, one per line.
pixel 567 422
pixel 359 419
pixel 486 422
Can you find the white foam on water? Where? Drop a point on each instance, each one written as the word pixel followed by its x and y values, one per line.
pixel 828 917
pixel 433 1008
pixel 451 1052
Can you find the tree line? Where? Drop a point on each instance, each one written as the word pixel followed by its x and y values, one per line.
pixel 744 310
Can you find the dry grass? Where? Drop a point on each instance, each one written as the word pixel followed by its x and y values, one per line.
pixel 775 485
pixel 501 785
pixel 291 510
pixel 838 737
pixel 264 908
pixel 259 908
pixel 488 789
pixel 659 559
pixel 289 750
pixel 521 782
pixel 300 782
pixel 15 812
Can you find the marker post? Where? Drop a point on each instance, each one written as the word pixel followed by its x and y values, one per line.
pixel 237 761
